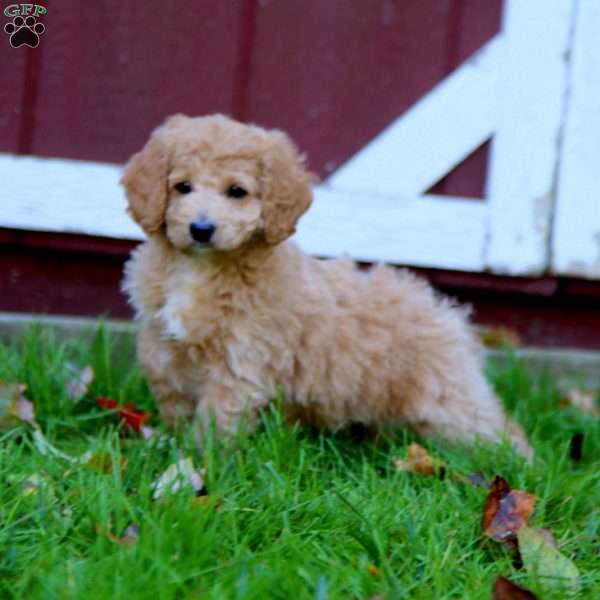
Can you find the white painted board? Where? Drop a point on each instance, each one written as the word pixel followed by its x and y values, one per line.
pixel 525 147
pixel 422 231
pixel 432 137
pixel 79 197
pixel 576 241
pixel 70 196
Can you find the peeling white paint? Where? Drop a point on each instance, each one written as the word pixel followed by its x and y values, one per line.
pixel 525 151
pixel 576 243
pixel 432 137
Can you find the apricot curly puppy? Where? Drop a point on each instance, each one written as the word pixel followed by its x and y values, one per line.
pixel 230 310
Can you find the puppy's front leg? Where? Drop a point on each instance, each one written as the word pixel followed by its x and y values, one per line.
pixel 228 406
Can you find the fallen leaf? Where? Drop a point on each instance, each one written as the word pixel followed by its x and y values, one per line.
pixel 79 384
pixel 147 432
pixel 374 570
pixel 207 502
pixel 498 337
pixel 542 558
pixel 583 400
pixel 129 537
pixel 178 476
pixel 32 484
pixel 478 479
pixel 549 537
pixel 130 415
pixel 505 589
pixel 421 462
pixel 102 462
pixel 506 511
pixel 14 406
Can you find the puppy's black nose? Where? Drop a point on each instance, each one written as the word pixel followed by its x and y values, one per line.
pixel 202 231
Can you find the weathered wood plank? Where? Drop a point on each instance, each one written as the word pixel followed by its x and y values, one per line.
pixel 431 138
pixel 525 147
pixel 443 232
pixel 576 242
pixel 65 196
pixel 334 74
pixel 447 233
pixel 13 99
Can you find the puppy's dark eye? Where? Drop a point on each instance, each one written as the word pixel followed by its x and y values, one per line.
pixel 183 187
pixel 235 191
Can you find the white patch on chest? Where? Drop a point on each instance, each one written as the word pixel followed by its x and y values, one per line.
pixel 179 299
pixel 171 316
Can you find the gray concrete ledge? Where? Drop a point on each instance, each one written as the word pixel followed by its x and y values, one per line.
pixel 568 365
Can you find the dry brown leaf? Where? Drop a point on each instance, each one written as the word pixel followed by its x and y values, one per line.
pixel 583 400
pixel 374 570
pixel 421 462
pixel 498 337
pixel 207 502
pixel 129 537
pixel 506 511
pixel 102 462
pixel 505 589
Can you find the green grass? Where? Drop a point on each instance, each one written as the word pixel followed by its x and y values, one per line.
pixel 293 513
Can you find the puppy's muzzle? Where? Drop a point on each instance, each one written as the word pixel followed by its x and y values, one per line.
pixel 202 231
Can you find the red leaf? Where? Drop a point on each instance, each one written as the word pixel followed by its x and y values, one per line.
pixel 131 416
pixel 106 402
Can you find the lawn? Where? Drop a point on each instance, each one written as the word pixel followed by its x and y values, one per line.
pixel 290 513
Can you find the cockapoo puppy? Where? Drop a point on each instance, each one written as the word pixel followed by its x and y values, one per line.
pixel 231 311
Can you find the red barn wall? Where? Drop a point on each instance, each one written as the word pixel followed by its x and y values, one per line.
pixel 332 73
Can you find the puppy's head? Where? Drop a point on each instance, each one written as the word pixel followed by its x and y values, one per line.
pixel 214 183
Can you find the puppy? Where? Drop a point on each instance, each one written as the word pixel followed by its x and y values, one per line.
pixel 231 312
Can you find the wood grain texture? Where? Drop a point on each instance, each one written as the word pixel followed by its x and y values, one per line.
pixel 471 24
pixel 111 73
pixel 525 148
pixel 335 74
pixel 444 232
pixel 15 71
pixel 576 241
pixel 456 117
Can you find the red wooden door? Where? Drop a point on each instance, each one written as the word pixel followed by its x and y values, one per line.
pixel 333 74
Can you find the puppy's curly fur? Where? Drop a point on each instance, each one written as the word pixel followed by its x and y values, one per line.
pixel 225 323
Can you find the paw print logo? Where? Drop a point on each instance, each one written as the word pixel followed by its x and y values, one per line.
pixel 24 32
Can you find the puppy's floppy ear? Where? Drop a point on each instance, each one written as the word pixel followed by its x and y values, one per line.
pixel 287 191
pixel 145 183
